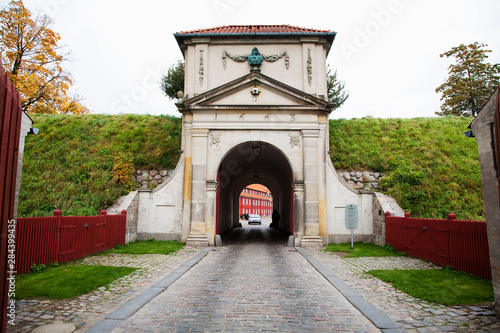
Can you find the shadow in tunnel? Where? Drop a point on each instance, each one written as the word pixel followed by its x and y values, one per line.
pixel 254 234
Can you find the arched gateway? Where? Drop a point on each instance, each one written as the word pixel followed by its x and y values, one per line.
pixel 254 110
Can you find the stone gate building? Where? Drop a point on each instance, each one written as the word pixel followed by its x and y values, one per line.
pixel 254 110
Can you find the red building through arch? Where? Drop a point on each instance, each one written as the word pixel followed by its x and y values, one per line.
pixel 256 199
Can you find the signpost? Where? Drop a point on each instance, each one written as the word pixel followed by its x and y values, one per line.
pixel 351 220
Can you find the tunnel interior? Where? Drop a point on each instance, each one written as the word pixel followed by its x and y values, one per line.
pixel 249 163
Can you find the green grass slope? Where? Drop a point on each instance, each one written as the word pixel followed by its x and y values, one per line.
pixel 432 168
pixel 68 165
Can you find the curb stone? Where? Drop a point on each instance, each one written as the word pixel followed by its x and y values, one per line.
pixel 377 317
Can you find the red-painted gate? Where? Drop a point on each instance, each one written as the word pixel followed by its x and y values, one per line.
pixel 45 240
pixel 460 244
pixel 429 241
pixel 10 129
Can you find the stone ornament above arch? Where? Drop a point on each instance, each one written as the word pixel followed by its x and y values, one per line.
pixel 268 58
pixel 294 139
pixel 215 138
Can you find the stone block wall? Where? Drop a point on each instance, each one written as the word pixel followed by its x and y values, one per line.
pixel 367 180
pixel 151 178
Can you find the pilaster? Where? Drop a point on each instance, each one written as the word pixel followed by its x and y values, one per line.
pixel 198 228
pixel 311 237
pixel 188 170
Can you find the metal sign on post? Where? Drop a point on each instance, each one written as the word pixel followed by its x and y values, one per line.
pixel 351 220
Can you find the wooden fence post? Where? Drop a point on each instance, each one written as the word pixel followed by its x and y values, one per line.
pixel 451 240
pixel 104 219
pixel 124 212
pixel 407 216
pixel 58 215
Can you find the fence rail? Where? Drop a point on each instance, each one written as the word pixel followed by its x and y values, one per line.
pixel 45 240
pixel 460 244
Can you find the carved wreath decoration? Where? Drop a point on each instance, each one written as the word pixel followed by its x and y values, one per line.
pixel 268 58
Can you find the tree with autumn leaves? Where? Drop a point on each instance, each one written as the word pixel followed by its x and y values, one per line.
pixel 31 53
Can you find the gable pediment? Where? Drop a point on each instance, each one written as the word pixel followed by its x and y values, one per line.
pixel 255 90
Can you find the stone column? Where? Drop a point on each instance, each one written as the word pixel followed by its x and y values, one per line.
pixel 210 210
pixel 298 210
pixel 311 189
pixel 197 234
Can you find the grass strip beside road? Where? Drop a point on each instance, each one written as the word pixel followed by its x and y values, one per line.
pixel 364 250
pixel 149 247
pixel 67 281
pixel 70 281
pixel 441 286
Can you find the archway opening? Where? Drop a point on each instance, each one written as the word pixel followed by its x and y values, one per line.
pixel 250 163
pixel 256 200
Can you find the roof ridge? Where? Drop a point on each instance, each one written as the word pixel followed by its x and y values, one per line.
pixel 258 28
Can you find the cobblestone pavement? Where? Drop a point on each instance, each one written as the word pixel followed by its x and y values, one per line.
pixel 88 309
pixel 254 284
pixel 270 286
pixel 412 314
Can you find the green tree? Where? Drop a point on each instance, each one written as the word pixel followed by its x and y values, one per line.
pixel 173 82
pixel 30 52
pixel 336 89
pixel 470 81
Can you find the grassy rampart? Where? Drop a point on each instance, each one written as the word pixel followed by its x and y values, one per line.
pixel 432 168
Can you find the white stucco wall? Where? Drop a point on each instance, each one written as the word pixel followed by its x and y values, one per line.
pixel 26 124
pixel 160 210
pixel 339 195
pixel 205 68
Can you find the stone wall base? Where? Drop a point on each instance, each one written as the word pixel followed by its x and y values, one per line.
pixel 197 241
pixel 346 238
pixel 130 234
pixel 159 236
pixel 311 241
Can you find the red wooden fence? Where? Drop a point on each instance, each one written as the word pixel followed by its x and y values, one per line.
pixel 10 129
pixel 45 240
pixel 460 244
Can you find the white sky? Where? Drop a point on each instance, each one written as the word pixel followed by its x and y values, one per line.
pixel 387 51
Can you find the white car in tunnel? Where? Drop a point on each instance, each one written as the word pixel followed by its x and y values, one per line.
pixel 254 219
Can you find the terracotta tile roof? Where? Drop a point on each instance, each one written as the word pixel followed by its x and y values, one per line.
pixel 258 187
pixel 255 29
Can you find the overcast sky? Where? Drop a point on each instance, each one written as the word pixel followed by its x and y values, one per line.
pixel 387 51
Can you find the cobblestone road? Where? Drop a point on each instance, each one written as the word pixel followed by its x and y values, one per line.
pixel 86 310
pixel 251 286
pixel 254 284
